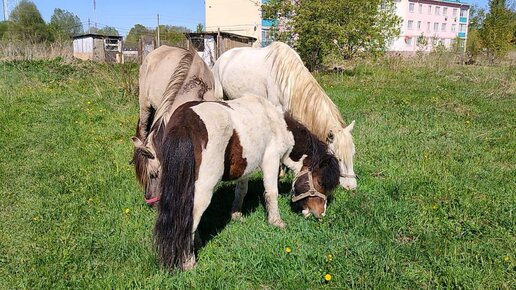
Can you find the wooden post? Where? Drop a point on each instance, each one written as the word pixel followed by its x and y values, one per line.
pixel 158 39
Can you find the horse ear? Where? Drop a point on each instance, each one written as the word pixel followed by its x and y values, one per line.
pixel 146 151
pixel 330 137
pixel 350 127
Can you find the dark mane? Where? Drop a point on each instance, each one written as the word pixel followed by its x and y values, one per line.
pixel 318 155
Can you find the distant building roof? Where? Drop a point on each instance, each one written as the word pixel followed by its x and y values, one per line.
pixel 93 35
pixel 459 2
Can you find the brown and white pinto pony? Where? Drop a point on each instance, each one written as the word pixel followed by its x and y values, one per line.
pixel 277 73
pixel 206 142
pixel 170 75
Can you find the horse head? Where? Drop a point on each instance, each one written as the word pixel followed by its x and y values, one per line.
pixel 341 142
pixel 314 183
pixel 147 169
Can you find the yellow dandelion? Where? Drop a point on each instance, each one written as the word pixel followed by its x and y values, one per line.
pixel 327 277
pixel 126 211
pixel 88 102
pixel 506 258
pixel 288 250
pixel 330 257
pixel 90 199
pixel 36 218
pixel 434 207
pixel 467 121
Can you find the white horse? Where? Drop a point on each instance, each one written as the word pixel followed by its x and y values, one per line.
pixel 206 142
pixel 278 73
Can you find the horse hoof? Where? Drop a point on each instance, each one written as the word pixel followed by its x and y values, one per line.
pixel 237 216
pixel 190 264
pixel 278 223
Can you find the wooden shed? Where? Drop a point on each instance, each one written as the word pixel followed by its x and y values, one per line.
pixel 211 45
pixel 98 47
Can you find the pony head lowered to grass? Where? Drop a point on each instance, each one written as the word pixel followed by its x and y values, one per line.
pixel 206 142
pixel 277 73
pixel 169 77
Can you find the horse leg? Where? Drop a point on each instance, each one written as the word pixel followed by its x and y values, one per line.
pixel 240 192
pixel 270 167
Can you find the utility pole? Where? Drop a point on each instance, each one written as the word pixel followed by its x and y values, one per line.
pixel 95 14
pixel 5 10
pixel 157 30
pixel 89 25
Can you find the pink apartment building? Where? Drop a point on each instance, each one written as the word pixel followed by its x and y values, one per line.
pixel 429 23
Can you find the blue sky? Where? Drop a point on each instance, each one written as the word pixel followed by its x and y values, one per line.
pixel 124 14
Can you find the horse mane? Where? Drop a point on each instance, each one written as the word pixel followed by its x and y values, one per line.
pixel 174 85
pixel 318 155
pixel 302 92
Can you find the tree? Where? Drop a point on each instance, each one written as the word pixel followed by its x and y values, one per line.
pixel 137 32
pixel 4 28
pixel 317 27
pixel 27 23
pixel 172 35
pixel 497 29
pixel 199 28
pixel 474 43
pixel 108 30
pixel 64 24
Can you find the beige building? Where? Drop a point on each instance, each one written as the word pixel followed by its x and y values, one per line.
pixel 242 17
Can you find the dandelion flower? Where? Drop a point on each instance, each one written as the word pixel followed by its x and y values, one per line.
pixel 327 277
pixel 288 250
pixel 434 207
pixel 126 211
pixel 330 257
pixel 506 258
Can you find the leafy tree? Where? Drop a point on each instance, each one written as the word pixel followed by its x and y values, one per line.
pixel 4 28
pixel 497 29
pixel 172 35
pixel 350 28
pixel 64 24
pixel 137 32
pixel 27 23
pixel 199 28
pixel 108 30
pixel 474 43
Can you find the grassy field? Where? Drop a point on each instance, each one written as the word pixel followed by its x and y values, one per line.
pixel 434 207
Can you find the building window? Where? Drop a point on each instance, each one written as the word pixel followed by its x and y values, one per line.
pixel 428 26
pixel 443 26
pixel 411 7
pixel 430 9
pixel 437 10
pixel 454 27
pixel 463 13
pixel 420 10
pixel 410 24
pixel 445 11
pixel 419 25
pixel 409 41
pixel 454 12
pixel 462 28
pixel 436 26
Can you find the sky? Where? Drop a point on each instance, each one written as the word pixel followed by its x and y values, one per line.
pixel 124 14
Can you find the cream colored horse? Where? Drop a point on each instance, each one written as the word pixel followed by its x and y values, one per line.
pixel 278 73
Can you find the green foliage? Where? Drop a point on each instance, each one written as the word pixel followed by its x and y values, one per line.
pixel 64 25
pixel 498 29
pixel 199 28
pixel 137 32
pixel 108 30
pixel 433 208
pixel 350 28
pixel 172 35
pixel 4 28
pixel 27 23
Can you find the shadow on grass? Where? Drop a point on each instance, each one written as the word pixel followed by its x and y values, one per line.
pixel 218 214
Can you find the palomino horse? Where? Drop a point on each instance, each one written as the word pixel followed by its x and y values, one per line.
pixel 171 72
pixel 173 75
pixel 206 142
pixel 278 73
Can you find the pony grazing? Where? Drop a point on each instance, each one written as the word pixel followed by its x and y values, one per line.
pixel 206 142
pixel 277 73
pixel 170 75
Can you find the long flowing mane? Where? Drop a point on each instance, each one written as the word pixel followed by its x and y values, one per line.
pixel 307 101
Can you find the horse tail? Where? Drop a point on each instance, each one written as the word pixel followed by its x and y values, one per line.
pixel 173 230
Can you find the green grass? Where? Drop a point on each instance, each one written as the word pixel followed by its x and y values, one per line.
pixel 433 209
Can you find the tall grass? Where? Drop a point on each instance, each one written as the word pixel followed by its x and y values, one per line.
pixel 15 50
pixel 433 208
